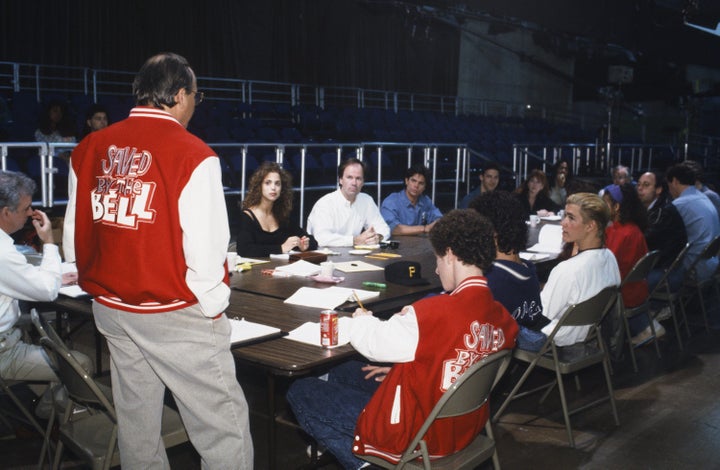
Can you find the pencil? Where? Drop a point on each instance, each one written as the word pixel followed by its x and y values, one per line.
pixel 360 304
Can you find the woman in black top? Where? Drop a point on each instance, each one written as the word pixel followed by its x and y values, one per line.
pixel 264 222
pixel 534 197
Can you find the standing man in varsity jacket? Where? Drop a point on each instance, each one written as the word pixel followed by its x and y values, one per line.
pixel 147 225
pixel 364 409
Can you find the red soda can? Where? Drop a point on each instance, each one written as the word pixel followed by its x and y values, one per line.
pixel 328 328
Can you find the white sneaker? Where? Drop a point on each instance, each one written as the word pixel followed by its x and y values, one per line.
pixel 663 314
pixel 646 335
pixel 320 451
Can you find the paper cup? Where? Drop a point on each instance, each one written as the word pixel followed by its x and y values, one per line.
pixel 327 268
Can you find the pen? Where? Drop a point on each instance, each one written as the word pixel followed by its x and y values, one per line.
pixel 360 304
pixel 378 285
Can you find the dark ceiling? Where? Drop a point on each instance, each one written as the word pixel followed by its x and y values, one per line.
pixel 648 35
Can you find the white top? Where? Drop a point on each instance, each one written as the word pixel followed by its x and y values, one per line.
pixel 200 200
pixel 334 220
pixel 21 280
pixel 394 340
pixel 573 281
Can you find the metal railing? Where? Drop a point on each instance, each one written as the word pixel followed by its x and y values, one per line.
pixel 386 160
pixel 95 83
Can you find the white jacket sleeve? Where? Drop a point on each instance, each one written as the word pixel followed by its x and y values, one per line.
pixel 394 340
pixel 206 234
pixel 68 239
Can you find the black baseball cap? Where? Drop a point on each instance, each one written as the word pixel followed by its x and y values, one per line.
pixel 407 273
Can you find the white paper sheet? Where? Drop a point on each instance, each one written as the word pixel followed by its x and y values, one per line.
pixel 309 333
pixel 243 330
pixel 74 290
pixel 300 268
pixel 549 240
pixel 357 266
pixel 328 298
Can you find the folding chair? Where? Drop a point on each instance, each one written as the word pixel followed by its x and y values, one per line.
pixel 693 286
pixel 93 437
pixel 638 273
pixel 562 361
pixel 467 394
pixel 663 292
pixel 26 417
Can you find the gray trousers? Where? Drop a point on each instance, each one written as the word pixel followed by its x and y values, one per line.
pixel 22 361
pixel 189 354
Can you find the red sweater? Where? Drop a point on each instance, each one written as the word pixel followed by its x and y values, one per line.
pixel 128 239
pixel 627 243
pixel 455 331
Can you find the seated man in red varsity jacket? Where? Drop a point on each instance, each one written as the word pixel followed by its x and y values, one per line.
pixel 365 409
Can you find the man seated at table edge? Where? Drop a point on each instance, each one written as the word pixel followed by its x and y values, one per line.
pixel 431 342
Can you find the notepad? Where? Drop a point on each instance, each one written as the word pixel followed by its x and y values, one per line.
pixel 357 266
pixel 244 331
pixel 328 298
pixel 549 240
pixel 309 333
pixel 75 290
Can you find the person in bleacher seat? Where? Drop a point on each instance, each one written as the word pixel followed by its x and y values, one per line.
pixel 265 226
pixel 96 118
pixel 409 211
pixel 55 124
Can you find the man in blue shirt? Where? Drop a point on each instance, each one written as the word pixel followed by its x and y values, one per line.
pixel 409 211
pixel 698 214
pixel 489 179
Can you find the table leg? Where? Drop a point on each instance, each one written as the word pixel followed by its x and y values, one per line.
pixel 272 460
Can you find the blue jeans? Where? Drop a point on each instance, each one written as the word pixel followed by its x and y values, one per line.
pixel 328 410
pixel 530 340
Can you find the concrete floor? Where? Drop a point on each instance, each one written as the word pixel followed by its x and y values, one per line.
pixel 668 413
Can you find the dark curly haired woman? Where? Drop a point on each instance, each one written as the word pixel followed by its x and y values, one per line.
pixel 512 280
pixel 265 219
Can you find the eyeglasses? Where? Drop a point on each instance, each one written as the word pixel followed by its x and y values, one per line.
pixel 199 96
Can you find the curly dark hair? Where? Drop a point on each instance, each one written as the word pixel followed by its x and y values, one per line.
pixel 282 207
pixel 631 208
pixel 468 234
pixel 507 216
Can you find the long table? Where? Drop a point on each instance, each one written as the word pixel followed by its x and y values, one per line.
pixel 260 298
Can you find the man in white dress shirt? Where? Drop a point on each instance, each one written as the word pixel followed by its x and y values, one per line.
pixel 347 217
pixel 20 280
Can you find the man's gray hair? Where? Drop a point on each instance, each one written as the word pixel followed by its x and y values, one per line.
pixel 13 186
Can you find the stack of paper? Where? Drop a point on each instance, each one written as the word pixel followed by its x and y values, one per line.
pixel 549 240
pixel 328 298
pixel 300 268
